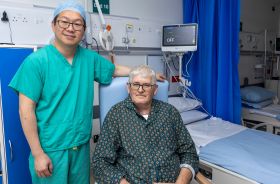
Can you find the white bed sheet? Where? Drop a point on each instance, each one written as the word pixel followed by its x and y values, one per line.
pixel 270 111
pixel 206 131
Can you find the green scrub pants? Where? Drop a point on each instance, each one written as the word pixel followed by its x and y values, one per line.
pixel 71 166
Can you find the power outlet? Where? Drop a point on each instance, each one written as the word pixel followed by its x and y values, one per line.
pixel 24 20
pixel 15 19
pixel 19 19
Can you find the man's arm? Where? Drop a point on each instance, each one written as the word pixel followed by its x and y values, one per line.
pixel 124 181
pixel 185 176
pixel 105 154
pixel 43 165
pixel 122 71
pixel 185 148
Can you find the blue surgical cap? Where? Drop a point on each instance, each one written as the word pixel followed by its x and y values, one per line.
pixel 70 5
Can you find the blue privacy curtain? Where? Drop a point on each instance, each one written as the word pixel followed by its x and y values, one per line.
pixel 214 67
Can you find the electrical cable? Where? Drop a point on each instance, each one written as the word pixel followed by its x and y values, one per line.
pixel 191 95
pixel 165 59
pixel 96 44
pixel 188 75
pixel 179 88
pixel 277 91
pixel 177 69
pixel 186 91
pixel 11 34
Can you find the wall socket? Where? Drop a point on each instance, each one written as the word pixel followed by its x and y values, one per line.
pixel 19 19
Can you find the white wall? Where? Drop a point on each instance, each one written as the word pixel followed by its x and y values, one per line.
pixel 256 16
pixel 167 10
pixel 45 3
pixel 146 17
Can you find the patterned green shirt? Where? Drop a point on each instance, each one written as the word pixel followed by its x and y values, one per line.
pixel 143 151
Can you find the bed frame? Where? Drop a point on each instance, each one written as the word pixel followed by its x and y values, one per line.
pixel 219 175
pixel 260 122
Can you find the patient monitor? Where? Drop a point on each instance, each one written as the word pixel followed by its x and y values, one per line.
pixel 179 39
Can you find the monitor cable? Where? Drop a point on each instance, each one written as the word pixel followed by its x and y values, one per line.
pixel 183 89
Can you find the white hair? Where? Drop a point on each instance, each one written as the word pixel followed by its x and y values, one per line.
pixel 143 71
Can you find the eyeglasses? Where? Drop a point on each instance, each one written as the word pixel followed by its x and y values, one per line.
pixel 65 24
pixel 136 86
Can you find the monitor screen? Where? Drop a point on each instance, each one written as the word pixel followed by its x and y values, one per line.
pixel 277 45
pixel 179 38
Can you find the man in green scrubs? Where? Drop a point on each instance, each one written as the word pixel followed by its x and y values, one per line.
pixel 55 87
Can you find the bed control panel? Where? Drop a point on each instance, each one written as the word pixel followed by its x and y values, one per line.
pixel 206 171
pixel 277 130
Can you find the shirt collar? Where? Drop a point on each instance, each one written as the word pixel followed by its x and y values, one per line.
pixel 56 51
pixel 129 104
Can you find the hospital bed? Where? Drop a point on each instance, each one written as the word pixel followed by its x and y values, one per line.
pixel 230 153
pixel 234 154
pixel 264 115
pixel 111 94
pixel 263 119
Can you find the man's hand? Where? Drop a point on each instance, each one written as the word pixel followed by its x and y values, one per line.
pixel 160 77
pixel 185 176
pixel 124 181
pixel 43 165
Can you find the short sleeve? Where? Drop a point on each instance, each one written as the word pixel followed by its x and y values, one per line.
pixel 28 80
pixel 103 70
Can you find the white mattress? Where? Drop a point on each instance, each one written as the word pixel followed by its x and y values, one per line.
pixel 205 131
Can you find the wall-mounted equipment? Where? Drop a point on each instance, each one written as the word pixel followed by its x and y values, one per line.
pixel 105 35
pixel 179 38
pixel 277 45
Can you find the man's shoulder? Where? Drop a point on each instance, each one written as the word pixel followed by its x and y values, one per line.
pixel 87 52
pixel 40 53
pixel 162 103
pixel 37 58
pixel 117 109
pixel 164 106
pixel 119 106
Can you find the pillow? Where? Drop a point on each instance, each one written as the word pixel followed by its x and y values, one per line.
pixel 192 116
pixel 258 105
pixel 256 94
pixel 184 104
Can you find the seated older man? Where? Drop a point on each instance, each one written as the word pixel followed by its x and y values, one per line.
pixel 144 140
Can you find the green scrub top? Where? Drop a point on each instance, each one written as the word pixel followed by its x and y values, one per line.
pixel 63 93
